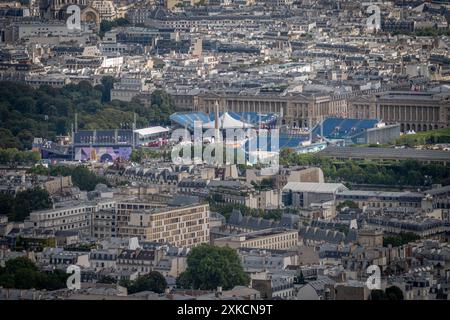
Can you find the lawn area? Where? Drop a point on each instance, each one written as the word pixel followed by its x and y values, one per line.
pixel 425 137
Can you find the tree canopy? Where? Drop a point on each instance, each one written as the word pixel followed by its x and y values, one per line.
pixel 153 281
pixel 18 208
pixel 107 25
pixel 401 239
pixel 26 112
pixel 406 172
pixel 347 203
pixel 22 273
pixel 391 293
pixel 82 177
pixel 13 157
pixel 394 293
pixel 209 267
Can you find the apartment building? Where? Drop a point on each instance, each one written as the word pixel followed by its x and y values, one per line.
pixel 255 200
pixel 377 199
pixel 100 259
pixel 129 87
pixel 105 8
pixel 142 261
pixel 235 192
pixel 183 22
pixel 68 217
pixel 182 226
pixel 104 225
pixel 262 259
pixel 276 239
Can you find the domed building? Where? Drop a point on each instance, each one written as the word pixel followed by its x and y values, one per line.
pixel 57 9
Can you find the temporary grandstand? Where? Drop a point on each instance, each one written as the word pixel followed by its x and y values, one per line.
pixel 233 119
pixel 53 150
pixel 356 131
pixel 187 119
pixel 284 140
pixel 242 120
pixel 226 121
pixel 98 145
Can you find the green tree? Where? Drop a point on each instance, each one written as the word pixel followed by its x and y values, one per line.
pixel 107 83
pixel 347 203
pixel 29 200
pixel 378 295
pixel 209 267
pixel 39 170
pixel 107 280
pixel 6 280
pixel 26 112
pixel 394 293
pixel 25 104
pixel 22 273
pixel 106 25
pixel 6 204
pixel 401 239
pixel 24 279
pixel 85 179
pixel 11 266
pixel 7 139
pixel 154 281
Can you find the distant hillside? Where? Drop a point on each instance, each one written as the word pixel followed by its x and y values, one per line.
pixel 46 112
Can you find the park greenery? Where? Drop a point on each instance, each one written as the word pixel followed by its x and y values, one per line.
pixel 22 273
pixel 209 267
pixel 405 173
pixel 347 204
pixel 391 293
pixel 400 239
pixel 142 154
pixel 26 112
pixel 107 25
pixel 107 280
pixel 425 137
pixel 13 157
pixel 82 177
pixel 153 281
pixel 18 208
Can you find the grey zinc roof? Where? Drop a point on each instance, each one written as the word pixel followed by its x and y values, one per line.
pixel 317 234
pixel 314 187
pixel 288 220
pixel 183 200
pixel 320 283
